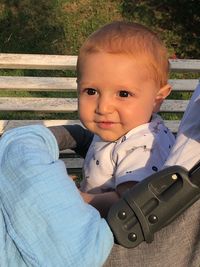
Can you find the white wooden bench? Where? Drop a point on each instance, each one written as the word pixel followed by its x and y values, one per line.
pixel 58 104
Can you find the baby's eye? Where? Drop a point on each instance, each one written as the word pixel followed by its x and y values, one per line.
pixel 124 93
pixel 90 91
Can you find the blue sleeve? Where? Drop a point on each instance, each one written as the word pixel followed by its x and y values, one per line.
pixel 42 213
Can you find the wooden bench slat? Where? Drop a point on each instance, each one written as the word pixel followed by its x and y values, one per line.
pixel 62 83
pixel 37 61
pixel 43 104
pixel 9 124
pixel 183 84
pixel 40 104
pixel 172 125
pixel 173 105
pixel 40 61
pixel 37 83
pixel 73 163
pixel 185 65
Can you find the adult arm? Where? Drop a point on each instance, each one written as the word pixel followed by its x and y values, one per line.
pixel 73 137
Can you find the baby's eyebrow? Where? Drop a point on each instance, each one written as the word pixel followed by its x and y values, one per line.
pixel 86 84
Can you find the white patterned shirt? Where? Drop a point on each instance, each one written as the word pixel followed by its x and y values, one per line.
pixel 133 157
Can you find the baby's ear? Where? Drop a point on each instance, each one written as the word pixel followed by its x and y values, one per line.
pixel 161 95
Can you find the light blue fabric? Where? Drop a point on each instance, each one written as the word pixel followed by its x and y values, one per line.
pixel 43 219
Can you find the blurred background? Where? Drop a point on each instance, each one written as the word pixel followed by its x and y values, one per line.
pixel 61 26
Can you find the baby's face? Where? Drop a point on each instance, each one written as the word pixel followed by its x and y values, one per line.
pixel 115 94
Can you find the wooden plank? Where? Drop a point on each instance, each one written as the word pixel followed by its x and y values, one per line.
pixel 38 104
pixel 173 105
pixel 37 83
pixel 172 125
pixel 9 124
pixel 183 84
pixel 185 65
pixel 43 104
pixel 63 83
pixel 73 163
pixel 37 61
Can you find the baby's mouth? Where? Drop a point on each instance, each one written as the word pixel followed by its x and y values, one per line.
pixel 105 124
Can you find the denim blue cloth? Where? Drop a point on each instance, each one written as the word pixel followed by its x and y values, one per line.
pixel 43 219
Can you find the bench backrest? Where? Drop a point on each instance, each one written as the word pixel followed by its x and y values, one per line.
pixel 67 83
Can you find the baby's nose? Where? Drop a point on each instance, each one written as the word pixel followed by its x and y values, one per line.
pixel 104 105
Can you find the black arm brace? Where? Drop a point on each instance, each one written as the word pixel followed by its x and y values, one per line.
pixel 152 204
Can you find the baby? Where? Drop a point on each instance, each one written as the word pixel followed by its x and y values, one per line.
pixel 122 77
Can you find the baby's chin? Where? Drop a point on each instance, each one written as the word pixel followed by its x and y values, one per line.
pixel 108 137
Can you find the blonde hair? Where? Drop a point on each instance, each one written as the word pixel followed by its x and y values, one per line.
pixel 133 39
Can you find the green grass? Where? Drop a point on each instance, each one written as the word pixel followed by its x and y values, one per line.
pixel 26 115
pixel 63 25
